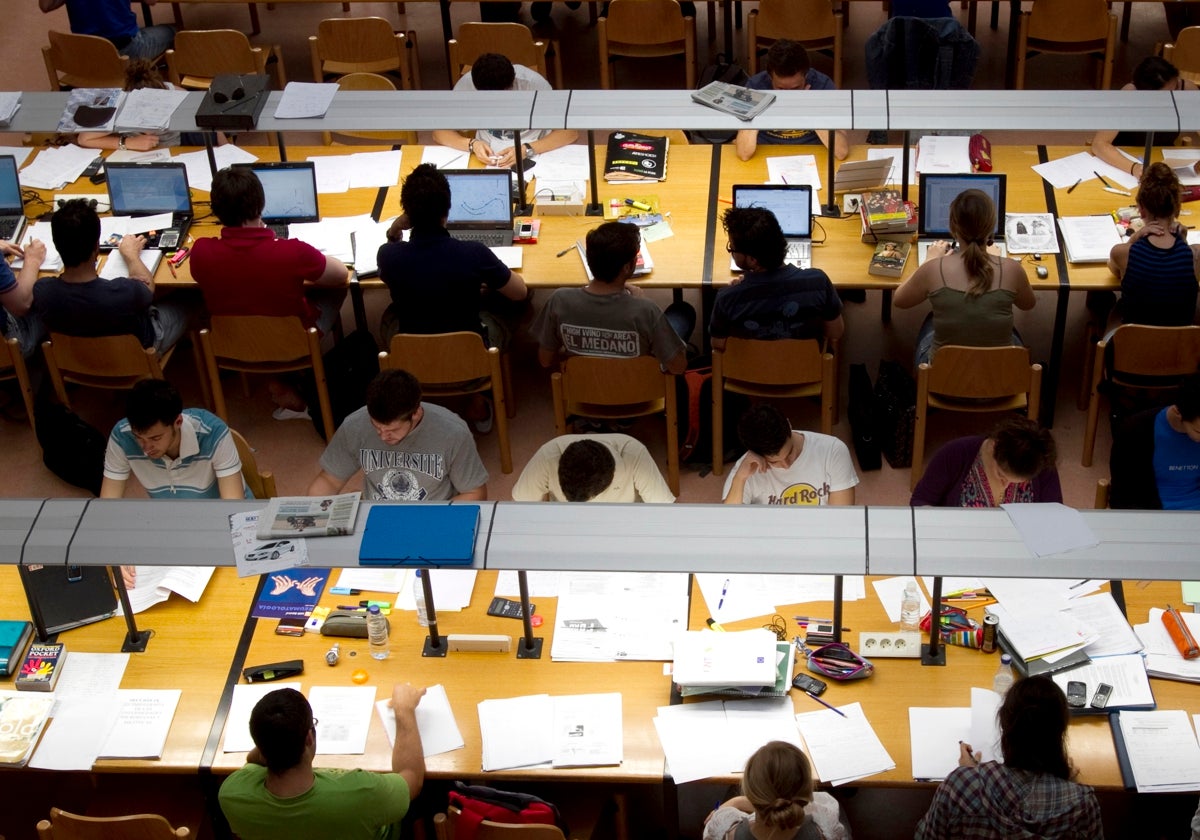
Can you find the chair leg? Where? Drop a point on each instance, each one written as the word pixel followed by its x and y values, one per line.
pixel 1093 414
pixel 672 434
pixel 214 376
pixel 829 395
pixel 255 26
pixel 602 40
pixel 918 457
pixel 560 408
pixel 510 398
pixel 718 417
pixel 177 11
pixel 198 360
pixel 22 374
pixel 500 398
pixel 60 387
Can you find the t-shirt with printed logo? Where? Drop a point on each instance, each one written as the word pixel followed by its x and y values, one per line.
pixel 823 467
pixel 620 326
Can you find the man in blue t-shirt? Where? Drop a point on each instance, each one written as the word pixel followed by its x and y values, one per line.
pixel 1177 449
pixel 16 294
pixel 115 21
pixel 788 69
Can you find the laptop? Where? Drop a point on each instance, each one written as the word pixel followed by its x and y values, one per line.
pixel 291 192
pixel 63 597
pixel 792 206
pixel 481 207
pixel 939 191
pixel 148 189
pixel 12 209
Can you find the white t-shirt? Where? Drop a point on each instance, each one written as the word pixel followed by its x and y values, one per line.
pixel 823 467
pixel 635 475
pixel 500 139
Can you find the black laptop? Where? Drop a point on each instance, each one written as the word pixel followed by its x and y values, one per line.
pixel 148 189
pixel 938 193
pixel 63 597
pixel 291 192
pixel 481 207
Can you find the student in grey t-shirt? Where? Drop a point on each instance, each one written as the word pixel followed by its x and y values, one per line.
pixel 408 450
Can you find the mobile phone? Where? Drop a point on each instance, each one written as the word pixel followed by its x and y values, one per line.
pixel 94 169
pixel 1076 694
pixel 525 230
pixel 1100 698
pixel 808 684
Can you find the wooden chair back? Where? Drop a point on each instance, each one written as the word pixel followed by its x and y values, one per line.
pixel 813 23
pixel 83 61
pixel 974 379
pixel 368 81
pixel 12 366
pixel 613 389
pixel 110 361
pixel 450 364
pixel 512 40
pixel 260 482
pixel 773 369
pixel 65 826
pixel 1184 53
pixel 201 55
pixel 1073 27
pixel 444 826
pixel 646 29
pixel 361 45
pixel 263 344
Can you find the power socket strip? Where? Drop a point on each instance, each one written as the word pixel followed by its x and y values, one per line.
pixel 101 200
pixel 893 644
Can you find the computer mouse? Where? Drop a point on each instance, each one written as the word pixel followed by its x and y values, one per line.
pixel 1042 273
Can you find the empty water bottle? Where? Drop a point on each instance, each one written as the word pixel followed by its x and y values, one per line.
pixel 377 633
pixel 1005 677
pixel 910 608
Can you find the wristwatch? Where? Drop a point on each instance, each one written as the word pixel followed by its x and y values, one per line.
pixel 121 144
pixel 530 154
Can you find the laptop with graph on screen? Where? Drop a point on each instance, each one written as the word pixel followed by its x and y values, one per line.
pixel 481 207
pixel 290 189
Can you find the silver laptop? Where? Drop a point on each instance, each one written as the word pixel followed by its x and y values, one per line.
pixel 481 207
pixel 290 189
pixel 939 191
pixel 148 189
pixel 12 209
pixel 792 206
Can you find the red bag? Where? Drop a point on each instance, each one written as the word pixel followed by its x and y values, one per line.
pixel 478 803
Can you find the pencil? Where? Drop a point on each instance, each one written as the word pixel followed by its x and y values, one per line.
pixel 1071 188
pixel 565 251
pixel 826 705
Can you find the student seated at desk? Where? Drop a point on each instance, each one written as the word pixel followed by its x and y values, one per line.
pixel 1031 794
pixel 785 467
pixel 592 468
pixel 1155 460
pixel 1015 463
pixel 788 69
pixel 115 21
pixel 16 294
pixel 279 795
pixel 1153 73
pixel 972 290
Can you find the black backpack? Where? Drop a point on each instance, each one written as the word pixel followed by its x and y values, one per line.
pixel 349 368
pixel 72 448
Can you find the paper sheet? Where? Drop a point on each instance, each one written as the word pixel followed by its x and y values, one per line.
pixel 752 723
pixel 566 163
pixel 77 733
pixel 1049 528
pixel 343 716
pixel 985 728
pixel 843 749
pixel 154 584
pixel 587 730
pixel 1182 161
pixel 41 231
pixel 686 733
pixel 237 724
pixel 56 167
pixel 375 169
pixel 331 235
pixel 373 580
pixel 159 155
pixel 1162 750
pixel 934 736
pixel 541 584
pixel 1126 674
pixel 149 109
pixel 1063 173
pixel 367 240
pixel 199 174
pixel 89 675
pixel 452 590
pixel 115 265
pixel 443 157
pixel 796 169
pixel 938 154
pixel 1035 634
pixel 510 736
pixel 1104 620
pixel 748 596
pixel 20 153
pixel 896 154
pixel 142 724
pixel 435 722
pixel 243 528
pixel 333 172
pixel 305 99
pixel 891 593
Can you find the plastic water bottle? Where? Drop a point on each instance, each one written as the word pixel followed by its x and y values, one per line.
pixel 377 633
pixel 419 594
pixel 910 608
pixel 1004 678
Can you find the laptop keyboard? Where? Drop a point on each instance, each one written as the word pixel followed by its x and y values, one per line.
pixel 490 238
pixel 9 225
pixel 281 231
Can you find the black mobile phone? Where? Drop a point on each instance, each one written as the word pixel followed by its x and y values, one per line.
pixel 1076 694
pixel 94 168
pixel 812 685
pixel 1100 698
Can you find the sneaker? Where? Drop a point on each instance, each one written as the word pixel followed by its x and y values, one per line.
pixel 484 425
pixel 281 413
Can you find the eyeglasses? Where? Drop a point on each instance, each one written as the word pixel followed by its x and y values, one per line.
pixel 221 97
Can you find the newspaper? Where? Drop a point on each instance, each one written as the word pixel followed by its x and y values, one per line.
pixel 741 102
pixel 309 516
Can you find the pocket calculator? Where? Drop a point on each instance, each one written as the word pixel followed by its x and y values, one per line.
pixel 507 608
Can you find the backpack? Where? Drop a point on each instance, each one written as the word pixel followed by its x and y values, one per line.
pixel 478 803
pixel 693 395
pixel 349 368
pixel 72 448
pixel 861 411
pixel 718 70
pixel 895 412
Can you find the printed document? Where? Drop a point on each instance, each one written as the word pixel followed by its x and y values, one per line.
pixel 843 749
pixel 435 722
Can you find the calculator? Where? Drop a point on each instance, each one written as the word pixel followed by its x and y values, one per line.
pixel 507 608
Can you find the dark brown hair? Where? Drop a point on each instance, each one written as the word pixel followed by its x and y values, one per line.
pixel 1033 725
pixel 778 782
pixel 972 222
pixel 1158 192
pixel 1022 448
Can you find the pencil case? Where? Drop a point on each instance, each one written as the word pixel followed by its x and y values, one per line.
pixel 957 627
pixel 837 662
pixel 352 624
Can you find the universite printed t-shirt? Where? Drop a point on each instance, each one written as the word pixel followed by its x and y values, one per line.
pixel 635 475
pixel 206 452
pixel 96 308
pixel 434 462
pixel 785 302
pixel 346 804
pixel 500 139
pixel 618 326
pixel 1176 466
pixel 816 80
pixel 823 467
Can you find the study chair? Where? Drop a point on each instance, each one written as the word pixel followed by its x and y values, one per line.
pixel 456 364
pixel 76 61
pixel 263 344
pixel 444 824
pixel 364 45
pixel 977 380
pixel 66 826
pixel 513 40
pixel 646 29
pixel 1184 53
pixel 1139 358
pixel 12 366
pixel 260 482
pixel 617 389
pixel 1072 27
pixel 367 81
pixel 782 368
pixel 111 361
pixel 201 55
pixel 813 23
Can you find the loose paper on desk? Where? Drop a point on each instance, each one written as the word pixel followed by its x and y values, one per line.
pixel 143 722
pixel 896 154
pixel 343 716
pixel 1089 239
pixel 1126 674
pixel 374 169
pixel 1162 657
pixel 56 167
pixel 943 154
pixel 332 235
pixel 379 579
pixel 367 239
pixel 149 109
pixel 541 584
pixel 891 593
pixel 115 265
pixel 154 584
pixel 1183 163
pixel 751 723
pixel 952 586
pixel 435 722
pixel 748 596
pixel 843 749
pixel 237 724
pixel 1104 620
pixel 443 157
pixel 244 528
pixel 20 154
pixel 515 731
pixel 199 174
pixel 112 228
pixel 10 102
pixel 796 169
pixel 934 736
pixel 1049 528
pixel 715 738
pixel 1039 594
pixel 452 589
pixel 566 163
pixel 624 616
pixel 588 730
pixel 985 727
pixel 708 658
pixel 77 733
pixel 159 155
pixel 1036 634
pixel 333 173
pixel 305 99
pixel 1162 749
pixel 41 231
pixel 1082 166
pixel 88 675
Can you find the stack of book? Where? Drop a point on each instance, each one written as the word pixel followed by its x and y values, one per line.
pixel 751 662
pixel 886 216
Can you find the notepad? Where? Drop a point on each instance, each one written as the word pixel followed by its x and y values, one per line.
pixel 1088 239
pixel 419 535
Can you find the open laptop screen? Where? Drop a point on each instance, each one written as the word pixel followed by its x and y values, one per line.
pixel 480 198
pixel 791 204
pixel 10 187
pixel 290 190
pixel 938 191
pixel 142 189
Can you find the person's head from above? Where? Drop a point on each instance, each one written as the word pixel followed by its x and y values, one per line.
pixel 787 65
pixel 1156 73
pixel 754 232
pixel 492 71
pixel 284 729
pixel 142 73
pixel 1033 726
pixel 394 404
pixel 1187 404
pixel 75 229
pixel 973 218
pixel 778 781
pixel 764 431
pixel 1022 449
pixel 612 251
pixel 1159 195
pixel 155 413
pixel 237 196
pixel 585 470
pixel 425 197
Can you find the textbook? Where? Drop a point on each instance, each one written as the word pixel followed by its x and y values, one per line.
pixel 889 259
pixel 22 719
pixel 309 516
pixel 14 635
pixel 738 101
pixel 635 157
pixel 42 665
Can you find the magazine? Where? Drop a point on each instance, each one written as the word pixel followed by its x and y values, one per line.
pixel 741 102
pixel 309 516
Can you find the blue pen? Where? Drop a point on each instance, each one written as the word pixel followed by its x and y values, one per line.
pixel 724 589
pixel 826 705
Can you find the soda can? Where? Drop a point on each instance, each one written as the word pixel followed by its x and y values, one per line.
pixel 991 624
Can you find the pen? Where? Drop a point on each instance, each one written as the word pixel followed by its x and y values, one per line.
pixel 171 267
pixel 1101 177
pixel 724 589
pixel 354 607
pixel 826 705
pixel 812 620
pixel 565 251
pixel 724 201
pixel 1071 188
pixel 1077 585
pixel 712 625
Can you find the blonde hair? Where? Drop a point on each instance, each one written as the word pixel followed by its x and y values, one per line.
pixel 972 222
pixel 778 781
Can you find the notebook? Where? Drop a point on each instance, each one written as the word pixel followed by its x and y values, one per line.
pixel 148 189
pixel 939 191
pixel 792 206
pixel 62 597
pixel 481 208
pixel 291 192
pixel 12 209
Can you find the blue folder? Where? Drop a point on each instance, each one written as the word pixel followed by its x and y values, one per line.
pixel 419 535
